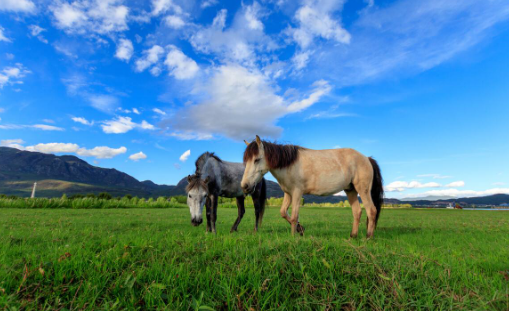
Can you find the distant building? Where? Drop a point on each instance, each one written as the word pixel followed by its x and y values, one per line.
pixel 504 205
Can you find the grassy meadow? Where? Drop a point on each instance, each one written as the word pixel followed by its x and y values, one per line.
pixel 109 259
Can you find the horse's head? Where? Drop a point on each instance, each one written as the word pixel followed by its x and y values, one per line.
pixel 256 165
pixel 197 193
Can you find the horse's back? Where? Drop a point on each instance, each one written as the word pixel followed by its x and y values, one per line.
pixel 329 171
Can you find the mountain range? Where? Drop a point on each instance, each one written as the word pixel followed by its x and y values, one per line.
pixel 56 175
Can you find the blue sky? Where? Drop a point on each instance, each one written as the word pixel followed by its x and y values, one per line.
pixel 147 86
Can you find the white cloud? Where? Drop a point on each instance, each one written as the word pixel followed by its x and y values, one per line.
pixel 138 156
pixel 151 57
pixel 136 111
pixel 25 6
pixel 12 75
pixel 315 21
pixel 13 143
pixel 124 50
pixel 456 184
pixel 2 36
pixel 244 101
pixel 122 125
pixel 174 21
pixel 159 111
pixel 238 43
pixel 185 156
pixel 54 148
pixel 46 127
pixel 498 184
pixel 101 152
pixel 403 185
pixel 179 65
pixel 90 16
pixel 82 121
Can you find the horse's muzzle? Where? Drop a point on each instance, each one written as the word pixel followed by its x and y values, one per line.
pixel 247 189
pixel 196 222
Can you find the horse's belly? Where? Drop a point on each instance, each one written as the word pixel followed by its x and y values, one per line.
pixel 231 194
pixel 327 185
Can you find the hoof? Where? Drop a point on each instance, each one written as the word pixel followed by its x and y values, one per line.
pixel 300 229
pixel 353 236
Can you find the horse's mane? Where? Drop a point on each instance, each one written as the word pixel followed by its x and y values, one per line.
pixel 195 181
pixel 277 155
pixel 200 162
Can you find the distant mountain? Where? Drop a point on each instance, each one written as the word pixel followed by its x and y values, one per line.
pixel 56 175
pixel 495 199
pixel 428 198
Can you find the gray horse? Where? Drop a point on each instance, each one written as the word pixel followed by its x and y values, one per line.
pixel 214 178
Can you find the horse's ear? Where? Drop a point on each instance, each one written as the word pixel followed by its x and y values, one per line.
pixel 207 179
pixel 189 178
pixel 258 140
pixel 245 141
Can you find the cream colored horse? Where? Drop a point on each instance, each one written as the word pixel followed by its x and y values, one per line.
pixel 302 171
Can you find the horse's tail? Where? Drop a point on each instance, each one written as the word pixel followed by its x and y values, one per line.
pixel 377 188
pixel 263 199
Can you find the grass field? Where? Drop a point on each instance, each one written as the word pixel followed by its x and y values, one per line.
pixel 153 258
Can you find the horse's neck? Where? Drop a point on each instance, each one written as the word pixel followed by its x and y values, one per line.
pixel 282 177
pixel 211 169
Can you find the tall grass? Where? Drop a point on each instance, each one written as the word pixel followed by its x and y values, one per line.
pixel 89 203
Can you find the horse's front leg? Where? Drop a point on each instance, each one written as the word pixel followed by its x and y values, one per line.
pixel 213 215
pixel 287 199
pixel 242 210
pixel 208 211
pixel 294 220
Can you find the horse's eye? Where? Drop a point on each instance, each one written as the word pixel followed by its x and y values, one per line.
pixel 190 197
pixel 257 160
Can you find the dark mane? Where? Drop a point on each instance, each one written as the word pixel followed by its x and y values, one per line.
pixel 277 155
pixel 195 181
pixel 200 162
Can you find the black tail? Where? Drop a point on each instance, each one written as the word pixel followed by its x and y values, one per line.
pixel 377 189
pixel 263 200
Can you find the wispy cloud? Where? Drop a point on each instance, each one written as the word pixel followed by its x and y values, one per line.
pixel 408 37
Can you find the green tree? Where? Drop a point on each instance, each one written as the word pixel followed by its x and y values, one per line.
pixel 104 196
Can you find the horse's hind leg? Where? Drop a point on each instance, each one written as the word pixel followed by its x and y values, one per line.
pixel 213 216
pixel 287 199
pixel 242 210
pixel 356 211
pixel 365 194
pixel 294 220
pixel 208 211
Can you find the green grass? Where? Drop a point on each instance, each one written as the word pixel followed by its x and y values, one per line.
pixel 154 259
